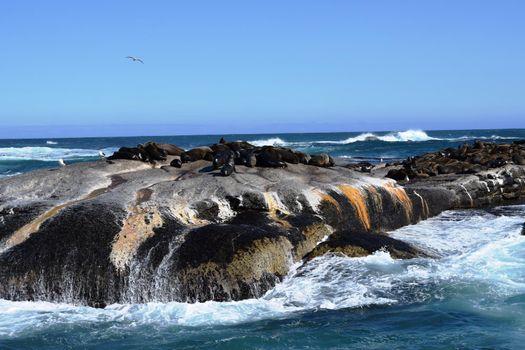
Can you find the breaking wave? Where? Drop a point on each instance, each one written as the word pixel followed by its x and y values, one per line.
pixel 480 256
pixel 49 153
pixel 274 141
pixel 400 136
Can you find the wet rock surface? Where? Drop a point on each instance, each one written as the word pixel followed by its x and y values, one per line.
pixel 139 231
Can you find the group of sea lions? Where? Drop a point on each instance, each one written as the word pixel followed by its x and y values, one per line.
pixel 224 155
pixel 466 159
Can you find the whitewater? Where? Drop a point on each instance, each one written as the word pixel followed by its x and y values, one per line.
pixel 475 280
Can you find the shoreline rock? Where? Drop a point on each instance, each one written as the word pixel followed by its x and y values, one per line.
pixel 132 231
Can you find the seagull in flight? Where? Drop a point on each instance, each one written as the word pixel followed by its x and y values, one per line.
pixel 135 59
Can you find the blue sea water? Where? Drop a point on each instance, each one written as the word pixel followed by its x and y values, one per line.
pixel 470 296
pixel 17 156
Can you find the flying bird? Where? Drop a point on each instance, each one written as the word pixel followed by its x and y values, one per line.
pixel 135 59
pixel 61 162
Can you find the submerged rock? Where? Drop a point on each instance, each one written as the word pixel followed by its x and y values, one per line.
pixel 354 244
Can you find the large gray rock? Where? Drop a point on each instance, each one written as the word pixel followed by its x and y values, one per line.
pixel 99 233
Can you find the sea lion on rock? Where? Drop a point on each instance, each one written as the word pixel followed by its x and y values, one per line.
pixel 397 174
pixel 177 162
pixel 220 158
pixel 171 150
pixel 322 160
pixel 246 157
pixel 154 152
pixel 288 155
pixel 363 167
pixel 196 154
pixel 239 145
pixel 303 158
pixel 130 153
pixel 270 157
pixel 229 167
pixel 220 147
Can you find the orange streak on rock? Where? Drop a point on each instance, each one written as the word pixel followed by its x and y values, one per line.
pixel 274 206
pixel 355 196
pixel 327 198
pixel 401 196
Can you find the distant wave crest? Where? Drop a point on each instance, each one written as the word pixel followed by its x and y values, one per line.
pixel 48 153
pixel 274 141
pixel 399 136
pixel 49 142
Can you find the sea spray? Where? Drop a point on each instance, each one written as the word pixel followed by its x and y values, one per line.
pixel 479 253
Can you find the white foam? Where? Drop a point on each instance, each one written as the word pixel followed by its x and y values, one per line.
pixel 49 153
pixel 274 141
pixel 400 136
pixel 49 142
pixel 479 253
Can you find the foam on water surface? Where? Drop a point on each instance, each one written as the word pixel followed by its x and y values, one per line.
pixel 479 255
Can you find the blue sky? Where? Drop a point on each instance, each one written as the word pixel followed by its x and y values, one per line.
pixel 267 66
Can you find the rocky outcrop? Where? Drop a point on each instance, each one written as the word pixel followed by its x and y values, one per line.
pixel 131 231
pixel 467 159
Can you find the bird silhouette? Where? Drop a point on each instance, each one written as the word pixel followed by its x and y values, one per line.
pixel 135 59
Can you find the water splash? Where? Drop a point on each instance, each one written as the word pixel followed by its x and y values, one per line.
pixel 481 259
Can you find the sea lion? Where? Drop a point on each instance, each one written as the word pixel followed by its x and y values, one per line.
pixel 220 158
pixel 171 150
pixel 239 145
pixel 288 155
pixel 196 154
pixel 176 162
pixel 229 167
pixel 154 152
pixel 304 158
pixel 246 157
pixel 131 153
pixel 270 157
pixel 322 160
pixel 219 147
pixel 398 174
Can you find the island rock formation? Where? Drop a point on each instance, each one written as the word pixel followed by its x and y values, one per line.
pixel 139 230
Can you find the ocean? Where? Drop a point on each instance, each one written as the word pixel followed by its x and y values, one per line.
pixel 470 296
pixel 18 156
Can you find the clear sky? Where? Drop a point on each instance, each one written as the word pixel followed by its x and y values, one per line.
pixel 267 66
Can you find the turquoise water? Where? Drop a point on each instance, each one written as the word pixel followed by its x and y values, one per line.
pixel 17 156
pixel 471 296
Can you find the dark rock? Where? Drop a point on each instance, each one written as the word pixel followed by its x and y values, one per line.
pixel 365 243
